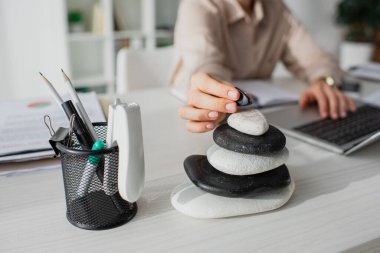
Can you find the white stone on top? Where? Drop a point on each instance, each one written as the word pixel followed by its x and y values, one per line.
pixel 250 122
pixel 235 163
pixel 192 201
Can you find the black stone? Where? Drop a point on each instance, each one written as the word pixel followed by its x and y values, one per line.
pixel 271 142
pixel 211 180
pixel 245 99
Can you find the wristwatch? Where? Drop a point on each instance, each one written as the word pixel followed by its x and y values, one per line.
pixel 330 81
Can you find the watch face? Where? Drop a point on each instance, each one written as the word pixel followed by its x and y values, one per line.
pixel 330 81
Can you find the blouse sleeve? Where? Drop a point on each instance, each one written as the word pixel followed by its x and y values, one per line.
pixel 304 58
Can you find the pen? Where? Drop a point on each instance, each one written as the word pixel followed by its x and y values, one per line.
pixel 84 137
pixel 86 120
pixel 88 173
pixel 79 106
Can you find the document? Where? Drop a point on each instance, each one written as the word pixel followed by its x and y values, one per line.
pixel 17 171
pixel 370 71
pixel 266 94
pixel 23 133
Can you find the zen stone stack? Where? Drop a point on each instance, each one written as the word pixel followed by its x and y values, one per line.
pixel 244 173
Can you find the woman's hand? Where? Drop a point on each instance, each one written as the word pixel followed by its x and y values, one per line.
pixel 331 101
pixel 208 102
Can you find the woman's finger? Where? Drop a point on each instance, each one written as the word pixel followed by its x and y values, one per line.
pixel 351 104
pixel 342 104
pixel 322 102
pixel 189 112
pixel 207 84
pixel 205 101
pixel 332 101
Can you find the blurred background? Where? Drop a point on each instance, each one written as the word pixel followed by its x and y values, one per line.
pixel 84 37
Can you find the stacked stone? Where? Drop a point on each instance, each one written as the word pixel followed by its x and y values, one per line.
pixel 244 173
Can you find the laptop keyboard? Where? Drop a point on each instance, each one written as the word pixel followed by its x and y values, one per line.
pixel 364 121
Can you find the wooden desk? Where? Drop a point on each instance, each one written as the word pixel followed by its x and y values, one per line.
pixel 335 207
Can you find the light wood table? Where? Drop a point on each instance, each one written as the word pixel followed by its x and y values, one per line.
pixel 335 207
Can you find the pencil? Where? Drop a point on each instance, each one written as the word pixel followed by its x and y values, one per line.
pixel 55 94
pixel 79 105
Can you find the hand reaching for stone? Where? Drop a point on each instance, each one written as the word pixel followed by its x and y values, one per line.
pixel 331 102
pixel 208 102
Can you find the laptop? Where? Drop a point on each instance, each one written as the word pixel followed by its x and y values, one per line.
pixel 342 136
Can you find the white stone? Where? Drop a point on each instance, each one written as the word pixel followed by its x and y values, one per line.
pixel 234 163
pixel 192 201
pixel 250 122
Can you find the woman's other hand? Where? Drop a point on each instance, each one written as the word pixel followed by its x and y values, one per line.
pixel 331 101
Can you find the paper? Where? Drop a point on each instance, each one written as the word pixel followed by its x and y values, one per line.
pixel 27 156
pixel 17 172
pixel 22 127
pixel 266 93
pixel 369 71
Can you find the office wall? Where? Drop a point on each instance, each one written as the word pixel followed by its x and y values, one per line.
pixel 318 18
pixel 30 41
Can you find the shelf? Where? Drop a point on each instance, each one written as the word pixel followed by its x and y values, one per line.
pixel 91 81
pixel 164 34
pixel 139 34
pixel 128 34
pixel 136 24
pixel 86 36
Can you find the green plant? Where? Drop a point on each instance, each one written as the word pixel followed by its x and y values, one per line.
pixel 360 17
pixel 74 17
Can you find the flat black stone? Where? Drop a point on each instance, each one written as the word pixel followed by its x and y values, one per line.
pixel 211 180
pixel 271 142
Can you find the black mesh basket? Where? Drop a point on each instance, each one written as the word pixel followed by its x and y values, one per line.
pixel 90 204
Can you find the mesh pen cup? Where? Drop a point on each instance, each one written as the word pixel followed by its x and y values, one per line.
pixel 92 204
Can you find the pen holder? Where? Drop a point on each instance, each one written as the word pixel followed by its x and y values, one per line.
pixel 88 205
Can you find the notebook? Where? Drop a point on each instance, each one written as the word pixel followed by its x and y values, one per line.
pixel 266 94
pixel 23 133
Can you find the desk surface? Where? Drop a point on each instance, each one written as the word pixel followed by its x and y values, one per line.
pixel 335 207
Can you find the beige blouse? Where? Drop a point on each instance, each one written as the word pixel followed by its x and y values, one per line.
pixel 219 38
